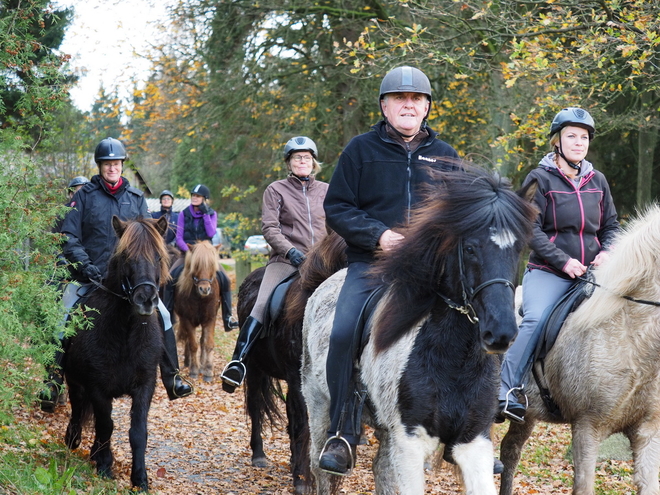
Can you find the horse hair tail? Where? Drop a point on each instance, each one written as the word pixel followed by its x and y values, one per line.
pixel 263 397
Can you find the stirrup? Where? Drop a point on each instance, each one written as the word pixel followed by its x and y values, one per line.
pixel 350 453
pixel 233 364
pixel 509 414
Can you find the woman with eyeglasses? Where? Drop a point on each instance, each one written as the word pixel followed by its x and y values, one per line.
pixel 292 221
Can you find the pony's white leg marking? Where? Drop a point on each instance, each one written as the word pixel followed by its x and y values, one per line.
pixel 475 459
pixel 646 446
pixel 407 454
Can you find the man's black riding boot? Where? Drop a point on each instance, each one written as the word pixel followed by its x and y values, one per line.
pixel 54 385
pixel 175 385
pixel 228 320
pixel 234 373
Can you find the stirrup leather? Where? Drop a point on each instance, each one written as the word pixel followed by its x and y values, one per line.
pixel 232 364
pixel 350 453
pixel 506 411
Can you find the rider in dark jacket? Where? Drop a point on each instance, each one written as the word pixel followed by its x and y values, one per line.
pixel 166 205
pixel 376 182
pixel 90 240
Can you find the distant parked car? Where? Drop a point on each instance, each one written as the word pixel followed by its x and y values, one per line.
pixel 256 244
pixel 221 240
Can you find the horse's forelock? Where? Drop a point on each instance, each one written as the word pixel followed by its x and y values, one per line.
pixel 202 262
pixel 141 240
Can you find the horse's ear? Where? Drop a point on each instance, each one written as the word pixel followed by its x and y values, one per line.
pixel 528 192
pixel 161 225
pixel 118 225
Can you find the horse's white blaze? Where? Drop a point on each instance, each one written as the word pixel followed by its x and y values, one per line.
pixel 475 459
pixel 502 238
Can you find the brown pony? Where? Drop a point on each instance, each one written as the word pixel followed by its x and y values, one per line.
pixel 196 302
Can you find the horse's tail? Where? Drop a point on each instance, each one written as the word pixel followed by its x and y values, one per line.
pixel 323 260
pixel 261 392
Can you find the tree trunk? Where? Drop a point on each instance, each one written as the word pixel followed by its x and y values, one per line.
pixel 646 141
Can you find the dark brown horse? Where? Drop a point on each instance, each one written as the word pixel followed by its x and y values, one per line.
pixel 196 302
pixel 119 355
pixel 277 357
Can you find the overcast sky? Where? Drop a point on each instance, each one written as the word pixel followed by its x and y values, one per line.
pixel 105 41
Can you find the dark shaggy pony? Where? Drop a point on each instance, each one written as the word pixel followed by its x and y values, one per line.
pixel 430 368
pixel 277 357
pixel 196 302
pixel 119 355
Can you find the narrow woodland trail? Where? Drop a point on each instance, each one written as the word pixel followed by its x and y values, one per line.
pixel 200 445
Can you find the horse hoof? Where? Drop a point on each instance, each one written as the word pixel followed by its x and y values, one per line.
pixel 193 376
pixel 208 378
pixel 260 462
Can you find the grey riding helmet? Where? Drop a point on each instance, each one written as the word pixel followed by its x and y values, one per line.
pixel 299 143
pixel 109 149
pixel 573 116
pixel 77 181
pixel 166 192
pixel 201 190
pixel 406 79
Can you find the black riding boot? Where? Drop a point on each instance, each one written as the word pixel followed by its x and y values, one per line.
pixel 175 385
pixel 228 319
pixel 54 385
pixel 234 373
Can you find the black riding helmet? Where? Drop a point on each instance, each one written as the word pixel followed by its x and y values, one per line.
pixel 576 117
pixel 109 149
pixel 77 181
pixel 406 79
pixel 201 190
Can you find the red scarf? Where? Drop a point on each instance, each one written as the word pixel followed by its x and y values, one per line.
pixel 114 189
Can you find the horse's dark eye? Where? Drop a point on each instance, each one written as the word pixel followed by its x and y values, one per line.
pixel 469 250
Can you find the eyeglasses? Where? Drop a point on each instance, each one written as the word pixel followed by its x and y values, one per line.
pixel 302 158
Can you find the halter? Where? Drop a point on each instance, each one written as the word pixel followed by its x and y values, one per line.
pixel 469 293
pixel 198 280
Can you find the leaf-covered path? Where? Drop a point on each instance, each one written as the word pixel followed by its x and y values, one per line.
pixel 200 445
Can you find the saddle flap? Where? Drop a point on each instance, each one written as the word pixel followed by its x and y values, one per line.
pixel 275 302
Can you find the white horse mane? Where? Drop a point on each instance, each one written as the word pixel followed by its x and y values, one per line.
pixel 632 270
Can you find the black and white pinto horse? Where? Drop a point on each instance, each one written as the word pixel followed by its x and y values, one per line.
pixel 430 367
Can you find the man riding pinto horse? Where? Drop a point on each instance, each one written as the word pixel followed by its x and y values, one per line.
pixel 88 245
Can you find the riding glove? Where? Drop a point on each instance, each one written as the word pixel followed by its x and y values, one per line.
pixel 205 209
pixel 295 257
pixel 92 273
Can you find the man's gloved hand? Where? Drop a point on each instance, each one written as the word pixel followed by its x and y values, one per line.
pixel 205 209
pixel 295 257
pixel 92 273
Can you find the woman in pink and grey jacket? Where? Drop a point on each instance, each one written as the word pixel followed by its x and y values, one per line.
pixel 576 225
pixel 292 221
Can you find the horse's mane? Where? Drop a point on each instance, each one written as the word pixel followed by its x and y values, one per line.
pixel 632 270
pixel 465 201
pixel 322 260
pixel 201 261
pixel 141 240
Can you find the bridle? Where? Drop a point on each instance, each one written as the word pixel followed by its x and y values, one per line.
pixel 199 280
pixel 469 293
pixel 127 288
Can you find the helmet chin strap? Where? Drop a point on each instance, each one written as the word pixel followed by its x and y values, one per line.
pixel 576 166
pixel 405 136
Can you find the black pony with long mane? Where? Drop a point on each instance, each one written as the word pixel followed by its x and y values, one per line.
pixel 430 367
pixel 119 355
pixel 277 357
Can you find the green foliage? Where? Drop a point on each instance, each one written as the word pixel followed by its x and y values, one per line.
pixel 31 466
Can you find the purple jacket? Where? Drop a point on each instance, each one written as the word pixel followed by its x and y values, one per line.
pixel 577 219
pixel 193 226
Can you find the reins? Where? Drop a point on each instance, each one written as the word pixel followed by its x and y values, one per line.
pixel 629 298
pixel 469 294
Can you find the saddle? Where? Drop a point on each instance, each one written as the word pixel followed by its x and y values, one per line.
pixel 550 324
pixel 276 303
